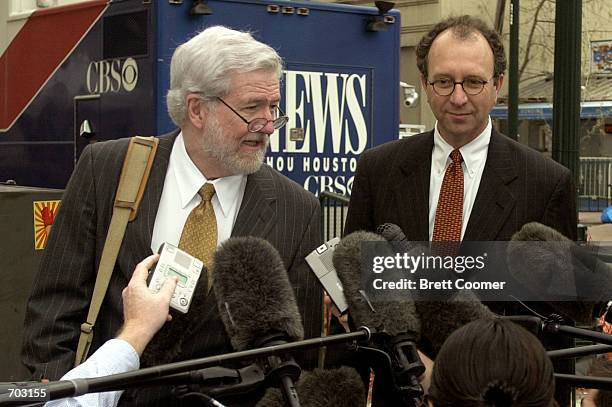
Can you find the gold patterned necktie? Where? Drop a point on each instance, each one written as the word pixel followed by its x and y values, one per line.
pixel 199 237
pixel 449 213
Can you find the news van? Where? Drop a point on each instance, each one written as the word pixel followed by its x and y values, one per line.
pixel 99 70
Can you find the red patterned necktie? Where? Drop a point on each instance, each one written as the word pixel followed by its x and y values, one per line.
pixel 449 213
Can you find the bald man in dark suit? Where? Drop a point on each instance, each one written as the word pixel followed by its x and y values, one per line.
pixel 518 186
pixel 505 184
pixel 462 181
pixel 226 110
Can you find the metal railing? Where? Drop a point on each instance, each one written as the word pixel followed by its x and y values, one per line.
pixel 333 214
pixel 595 183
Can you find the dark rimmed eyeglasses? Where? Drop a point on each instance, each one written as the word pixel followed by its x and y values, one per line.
pixel 446 86
pixel 257 124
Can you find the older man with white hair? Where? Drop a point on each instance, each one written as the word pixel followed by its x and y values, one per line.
pixel 208 175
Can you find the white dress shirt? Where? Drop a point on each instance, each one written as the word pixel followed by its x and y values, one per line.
pixel 180 196
pixel 115 356
pixel 474 156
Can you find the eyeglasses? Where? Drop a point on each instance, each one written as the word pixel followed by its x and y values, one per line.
pixel 446 86
pixel 259 123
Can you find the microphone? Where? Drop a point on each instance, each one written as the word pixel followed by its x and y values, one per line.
pixel 558 270
pixel 391 317
pixel 593 275
pixel 396 323
pixel 257 304
pixel 393 233
pixel 438 318
pixel 340 387
pixel 320 262
pixel 545 266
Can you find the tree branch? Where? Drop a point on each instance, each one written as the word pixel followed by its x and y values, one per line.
pixel 531 32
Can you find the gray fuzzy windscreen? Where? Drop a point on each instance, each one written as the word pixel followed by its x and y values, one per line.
pixel 340 387
pixel 273 398
pixel 539 257
pixel 441 318
pixel 535 231
pixel 254 296
pixel 392 317
pixel 549 264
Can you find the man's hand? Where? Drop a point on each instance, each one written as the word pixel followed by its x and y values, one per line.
pixel 329 305
pixel 425 378
pixel 144 312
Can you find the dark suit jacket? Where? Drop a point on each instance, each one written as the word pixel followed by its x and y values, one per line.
pixel 518 186
pixel 273 207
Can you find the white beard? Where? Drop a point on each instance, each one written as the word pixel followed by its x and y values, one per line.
pixel 226 150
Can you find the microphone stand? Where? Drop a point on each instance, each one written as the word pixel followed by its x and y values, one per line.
pixel 77 387
pixel 396 363
pixel 408 367
pixel 215 381
pixel 589 382
pixel 578 351
pixel 553 324
pixel 285 371
pixel 555 327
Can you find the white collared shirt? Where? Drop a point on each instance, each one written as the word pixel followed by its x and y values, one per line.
pixel 180 196
pixel 474 156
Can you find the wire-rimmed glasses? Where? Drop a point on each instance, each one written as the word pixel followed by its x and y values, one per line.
pixel 446 86
pixel 255 125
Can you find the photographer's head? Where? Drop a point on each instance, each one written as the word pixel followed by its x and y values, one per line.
pixel 224 95
pixel 492 363
pixel 462 64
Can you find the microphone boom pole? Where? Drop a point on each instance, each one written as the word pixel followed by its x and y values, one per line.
pixel 589 382
pixel 77 387
pixel 555 327
pixel 578 351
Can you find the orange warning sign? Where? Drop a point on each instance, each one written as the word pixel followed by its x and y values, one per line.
pixel 44 215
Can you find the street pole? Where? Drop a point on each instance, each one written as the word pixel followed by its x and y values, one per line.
pixel 513 116
pixel 566 117
pixel 566 93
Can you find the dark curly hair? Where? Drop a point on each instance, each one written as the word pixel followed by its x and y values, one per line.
pixel 463 27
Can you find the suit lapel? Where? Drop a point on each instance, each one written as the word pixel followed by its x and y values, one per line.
pixel 140 232
pixel 494 200
pixel 411 192
pixel 257 214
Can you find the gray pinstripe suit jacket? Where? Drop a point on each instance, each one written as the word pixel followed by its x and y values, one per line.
pixel 518 186
pixel 273 207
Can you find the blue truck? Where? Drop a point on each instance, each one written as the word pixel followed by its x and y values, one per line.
pixel 99 70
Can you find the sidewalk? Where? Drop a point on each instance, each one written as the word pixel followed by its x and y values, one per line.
pixel 597 231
